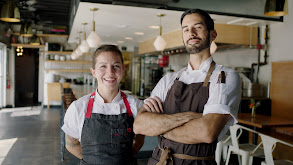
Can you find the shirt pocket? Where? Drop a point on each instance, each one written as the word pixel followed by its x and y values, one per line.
pixel 219 94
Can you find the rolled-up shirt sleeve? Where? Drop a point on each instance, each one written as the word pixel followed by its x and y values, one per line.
pixel 71 122
pixel 225 97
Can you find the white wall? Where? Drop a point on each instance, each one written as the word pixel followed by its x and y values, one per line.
pixel 280 44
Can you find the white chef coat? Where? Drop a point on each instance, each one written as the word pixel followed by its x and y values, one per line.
pixel 75 114
pixel 224 98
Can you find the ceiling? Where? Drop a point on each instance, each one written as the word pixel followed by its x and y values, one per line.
pixel 44 12
pixel 118 19
pixel 115 22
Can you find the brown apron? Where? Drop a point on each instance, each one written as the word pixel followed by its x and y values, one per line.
pixel 182 98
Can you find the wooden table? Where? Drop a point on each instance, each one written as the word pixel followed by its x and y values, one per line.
pixel 285 130
pixel 262 122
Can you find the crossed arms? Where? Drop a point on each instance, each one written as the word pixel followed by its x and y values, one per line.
pixel 185 127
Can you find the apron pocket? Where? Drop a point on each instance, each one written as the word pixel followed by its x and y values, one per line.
pixel 120 136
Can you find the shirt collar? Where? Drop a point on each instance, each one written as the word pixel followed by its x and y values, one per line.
pixel 204 67
pixel 99 98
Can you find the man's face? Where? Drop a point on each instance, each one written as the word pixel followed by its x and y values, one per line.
pixel 196 37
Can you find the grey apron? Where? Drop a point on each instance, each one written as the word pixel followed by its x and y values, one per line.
pixel 182 98
pixel 107 139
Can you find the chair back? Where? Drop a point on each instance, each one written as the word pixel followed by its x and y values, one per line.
pixel 235 134
pixel 269 144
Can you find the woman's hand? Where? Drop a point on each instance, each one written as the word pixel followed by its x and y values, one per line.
pixel 153 105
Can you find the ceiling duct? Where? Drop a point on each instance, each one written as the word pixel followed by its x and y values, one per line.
pixel 143 3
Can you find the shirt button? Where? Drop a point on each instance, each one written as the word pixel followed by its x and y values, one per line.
pixel 116 106
pixel 101 106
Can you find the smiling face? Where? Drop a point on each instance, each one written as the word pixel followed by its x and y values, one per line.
pixel 196 36
pixel 108 71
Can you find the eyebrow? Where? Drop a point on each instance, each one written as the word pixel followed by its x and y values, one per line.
pixel 193 25
pixel 114 62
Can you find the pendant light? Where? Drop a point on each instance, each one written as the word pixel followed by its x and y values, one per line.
pixel 10 12
pixel 276 8
pixel 84 46
pixel 26 30
pixel 74 55
pixel 213 47
pixel 160 43
pixel 93 39
pixel 78 51
pixel 35 40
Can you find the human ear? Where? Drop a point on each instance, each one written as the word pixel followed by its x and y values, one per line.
pixel 93 72
pixel 213 35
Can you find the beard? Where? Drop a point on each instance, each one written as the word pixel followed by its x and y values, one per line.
pixel 204 44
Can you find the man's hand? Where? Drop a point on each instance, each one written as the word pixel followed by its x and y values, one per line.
pixel 153 105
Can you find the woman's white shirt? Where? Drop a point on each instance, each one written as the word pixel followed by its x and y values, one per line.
pixel 224 98
pixel 75 114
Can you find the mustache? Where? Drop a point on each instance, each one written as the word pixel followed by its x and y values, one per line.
pixel 192 38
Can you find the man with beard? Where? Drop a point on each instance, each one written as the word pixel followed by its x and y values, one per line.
pixel 190 110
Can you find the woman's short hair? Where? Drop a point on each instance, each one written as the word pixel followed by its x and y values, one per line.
pixel 106 48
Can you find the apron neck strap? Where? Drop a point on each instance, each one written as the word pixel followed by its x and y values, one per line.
pixel 90 105
pixel 91 102
pixel 206 81
pixel 126 104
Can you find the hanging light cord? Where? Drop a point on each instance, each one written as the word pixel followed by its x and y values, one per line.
pixel 84 35
pixel 94 26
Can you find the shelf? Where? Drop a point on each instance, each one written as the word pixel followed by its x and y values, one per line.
pixel 71 61
pixel 28 45
pixel 46 35
pixel 59 52
pixel 65 52
pixel 68 70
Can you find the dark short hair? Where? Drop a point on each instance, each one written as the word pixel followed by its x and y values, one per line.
pixel 106 48
pixel 206 17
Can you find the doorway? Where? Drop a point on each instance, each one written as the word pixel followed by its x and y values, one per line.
pixel 26 77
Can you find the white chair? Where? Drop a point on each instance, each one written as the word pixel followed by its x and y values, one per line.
pixel 269 144
pixel 222 147
pixel 246 151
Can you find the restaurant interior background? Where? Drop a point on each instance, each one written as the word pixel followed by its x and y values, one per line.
pixel 259 47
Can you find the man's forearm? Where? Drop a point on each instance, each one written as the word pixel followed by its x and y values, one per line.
pixel 137 143
pixel 73 146
pixel 202 130
pixel 153 124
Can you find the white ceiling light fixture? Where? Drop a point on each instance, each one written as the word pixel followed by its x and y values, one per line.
pixel 84 46
pixel 160 43
pixel 128 38
pixel 213 47
pixel 77 51
pixel 93 39
pixel 74 55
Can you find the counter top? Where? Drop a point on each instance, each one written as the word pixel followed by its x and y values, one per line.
pixel 81 90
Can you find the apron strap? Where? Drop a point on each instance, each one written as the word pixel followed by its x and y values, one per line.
pixel 90 106
pixel 206 81
pixel 166 154
pixel 126 104
pixel 91 102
